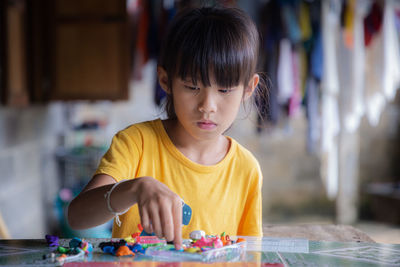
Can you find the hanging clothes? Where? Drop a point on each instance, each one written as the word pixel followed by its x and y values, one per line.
pixel 391 52
pixel 270 27
pixel 312 100
pixel 373 22
pixel 355 108
pixel 296 96
pixel 290 21
pixel 348 13
pixel 285 72
pixel 141 54
pixel 312 96
pixel 330 89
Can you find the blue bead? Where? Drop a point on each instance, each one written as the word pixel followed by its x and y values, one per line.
pixel 136 248
pixel 186 214
pixel 75 242
pixel 109 249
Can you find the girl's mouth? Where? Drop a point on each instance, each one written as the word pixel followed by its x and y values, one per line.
pixel 206 125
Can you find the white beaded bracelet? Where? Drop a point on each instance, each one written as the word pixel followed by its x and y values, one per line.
pixel 110 209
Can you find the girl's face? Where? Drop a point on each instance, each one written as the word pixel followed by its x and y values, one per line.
pixel 206 112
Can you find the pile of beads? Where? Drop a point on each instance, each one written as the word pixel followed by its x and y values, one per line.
pixel 201 247
pixel 135 243
pixel 125 247
pixel 200 242
pixel 138 243
pixel 121 248
pixel 77 249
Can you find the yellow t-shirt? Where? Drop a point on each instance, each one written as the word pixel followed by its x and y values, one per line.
pixel 225 197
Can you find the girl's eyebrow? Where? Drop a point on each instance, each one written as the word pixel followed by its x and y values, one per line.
pixel 190 81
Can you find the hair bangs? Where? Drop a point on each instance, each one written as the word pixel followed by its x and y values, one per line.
pixel 214 51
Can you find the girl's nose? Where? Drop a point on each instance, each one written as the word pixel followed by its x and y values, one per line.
pixel 208 103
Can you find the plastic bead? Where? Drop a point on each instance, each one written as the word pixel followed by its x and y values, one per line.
pixel 109 250
pixel 217 243
pixel 130 239
pixel 136 248
pixel 62 250
pixel 197 234
pixel 62 257
pixel 75 242
pixel 86 247
pixel 214 242
pixel 52 240
pixel 124 251
pixel 106 244
pixel 192 250
pixel 240 240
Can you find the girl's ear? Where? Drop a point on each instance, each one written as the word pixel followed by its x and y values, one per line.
pixel 163 79
pixel 249 90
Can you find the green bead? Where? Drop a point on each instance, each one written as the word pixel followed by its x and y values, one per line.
pixel 62 250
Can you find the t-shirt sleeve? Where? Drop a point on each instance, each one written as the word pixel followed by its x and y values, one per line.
pixel 251 221
pixel 122 158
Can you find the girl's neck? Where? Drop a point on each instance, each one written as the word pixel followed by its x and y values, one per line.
pixel 204 152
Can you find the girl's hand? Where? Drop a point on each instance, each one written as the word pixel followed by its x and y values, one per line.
pixel 160 210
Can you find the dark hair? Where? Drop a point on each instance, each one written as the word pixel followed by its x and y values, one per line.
pixel 223 41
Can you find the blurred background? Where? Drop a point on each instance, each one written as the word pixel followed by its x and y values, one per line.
pixel 74 72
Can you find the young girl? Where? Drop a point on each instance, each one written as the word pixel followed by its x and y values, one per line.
pixel 207 69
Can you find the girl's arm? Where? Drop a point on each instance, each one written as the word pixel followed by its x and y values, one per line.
pixel 157 204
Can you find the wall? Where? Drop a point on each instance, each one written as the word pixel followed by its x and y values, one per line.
pixel 384 141
pixel 27 171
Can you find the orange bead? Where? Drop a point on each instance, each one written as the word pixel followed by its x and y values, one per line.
pixel 124 251
pixel 227 242
pixel 240 240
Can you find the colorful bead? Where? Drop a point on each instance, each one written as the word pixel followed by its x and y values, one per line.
pixel 124 251
pixel 75 242
pixel 137 248
pixel 192 250
pixel 197 234
pixel 109 250
pixel 52 240
pixel 62 250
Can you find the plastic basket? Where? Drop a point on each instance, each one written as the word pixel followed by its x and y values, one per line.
pixel 234 252
pixel 77 165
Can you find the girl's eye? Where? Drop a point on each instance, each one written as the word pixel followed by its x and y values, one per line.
pixel 224 91
pixel 193 88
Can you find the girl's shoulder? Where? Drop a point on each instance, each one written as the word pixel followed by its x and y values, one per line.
pixel 244 160
pixel 241 153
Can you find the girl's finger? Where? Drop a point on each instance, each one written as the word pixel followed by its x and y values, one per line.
pixel 155 220
pixel 145 220
pixel 167 221
pixel 177 220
